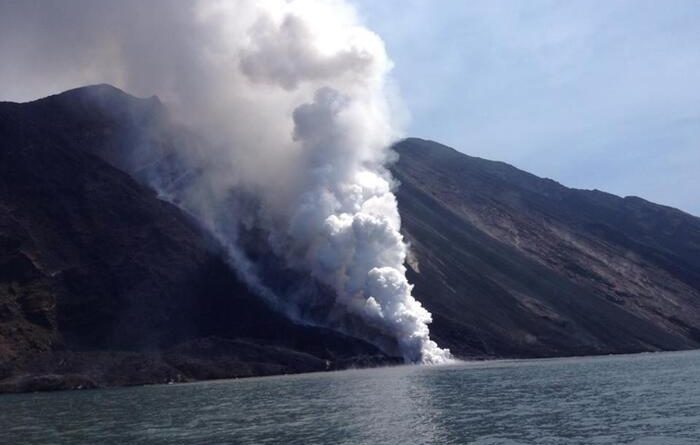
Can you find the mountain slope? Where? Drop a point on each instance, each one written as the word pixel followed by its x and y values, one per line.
pixel 512 264
pixel 97 273
pixel 102 283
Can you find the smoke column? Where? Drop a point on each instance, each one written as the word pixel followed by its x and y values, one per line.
pixel 294 101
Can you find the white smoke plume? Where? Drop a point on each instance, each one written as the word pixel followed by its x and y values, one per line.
pixel 294 100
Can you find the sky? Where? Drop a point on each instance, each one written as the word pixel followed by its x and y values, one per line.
pixel 600 94
pixel 593 94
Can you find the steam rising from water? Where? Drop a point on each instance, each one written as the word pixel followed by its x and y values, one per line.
pixel 293 98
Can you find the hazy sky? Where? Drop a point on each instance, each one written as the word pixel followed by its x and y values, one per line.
pixel 594 94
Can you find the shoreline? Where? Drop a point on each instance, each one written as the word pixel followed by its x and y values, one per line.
pixel 78 382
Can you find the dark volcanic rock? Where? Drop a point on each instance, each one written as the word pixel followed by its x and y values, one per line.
pixel 46 382
pixel 102 283
pixel 515 265
pixel 92 262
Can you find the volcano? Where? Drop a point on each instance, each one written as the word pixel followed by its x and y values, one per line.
pixel 104 282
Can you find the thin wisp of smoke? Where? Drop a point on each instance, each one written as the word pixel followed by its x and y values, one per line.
pixel 294 99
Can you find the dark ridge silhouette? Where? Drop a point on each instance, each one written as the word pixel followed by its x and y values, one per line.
pixel 101 280
pixel 102 283
pixel 515 265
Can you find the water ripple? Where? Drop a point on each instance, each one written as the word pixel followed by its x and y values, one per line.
pixel 641 399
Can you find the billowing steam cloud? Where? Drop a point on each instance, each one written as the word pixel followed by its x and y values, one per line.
pixel 293 100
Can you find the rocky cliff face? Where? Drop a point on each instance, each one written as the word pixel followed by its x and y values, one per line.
pixel 515 265
pixel 102 283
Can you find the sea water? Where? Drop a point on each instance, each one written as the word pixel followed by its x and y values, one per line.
pixel 638 399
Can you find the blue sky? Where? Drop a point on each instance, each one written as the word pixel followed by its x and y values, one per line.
pixel 594 94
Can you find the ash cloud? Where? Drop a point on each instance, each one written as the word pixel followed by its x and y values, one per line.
pixel 285 54
pixel 292 98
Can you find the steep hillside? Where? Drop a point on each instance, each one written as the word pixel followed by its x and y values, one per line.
pixel 516 265
pixel 97 274
pixel 102 283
